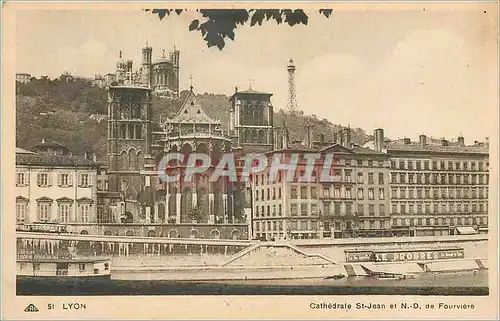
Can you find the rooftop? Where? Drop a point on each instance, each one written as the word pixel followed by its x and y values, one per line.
pixel 452 148
pixel 52 160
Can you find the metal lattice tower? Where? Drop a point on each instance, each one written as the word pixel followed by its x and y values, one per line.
pixel 292 95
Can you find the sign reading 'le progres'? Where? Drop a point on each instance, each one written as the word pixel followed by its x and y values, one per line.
pixel 398 256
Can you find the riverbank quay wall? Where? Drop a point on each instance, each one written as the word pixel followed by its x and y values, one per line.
pixel 154 251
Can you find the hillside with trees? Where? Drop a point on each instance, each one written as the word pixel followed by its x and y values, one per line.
pixel 72 113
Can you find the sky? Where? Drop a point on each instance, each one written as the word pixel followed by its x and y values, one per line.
pixel 427 69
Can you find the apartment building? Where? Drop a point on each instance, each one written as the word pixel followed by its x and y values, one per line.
pixel 437 187
pixel 55 188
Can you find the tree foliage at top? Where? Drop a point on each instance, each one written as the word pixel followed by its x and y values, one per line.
pixel 218 25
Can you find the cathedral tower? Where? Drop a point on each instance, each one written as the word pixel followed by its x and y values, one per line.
pixel 129 143
pixel 147 70
pixel 251 121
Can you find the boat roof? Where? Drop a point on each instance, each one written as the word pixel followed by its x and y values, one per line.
pixel 63 260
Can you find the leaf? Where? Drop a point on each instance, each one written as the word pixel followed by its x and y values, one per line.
pixel 194 25
pixel 326 12
pixel 257 17
pixel 178 11
pixel 161 13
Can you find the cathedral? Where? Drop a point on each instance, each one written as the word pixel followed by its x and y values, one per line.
pixel 160 75
pixel 199 208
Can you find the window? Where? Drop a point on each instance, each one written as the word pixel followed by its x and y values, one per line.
pixel 360 177
pixel 293 209
pixel 403 208
pixel 427 208
pixel 21 179
pixel 262 194
pixel 64 180
pixel 84 213
pixel 268 194
pixel 43 179
pixel 427 178
pixel 64 212
pixel 419 208
pixel 44 209
pixel 394 209
pixel 370 178
pixel 427 193
pixel 257 195
pixel 274 193
pixel 371 209
pixel 36 266
pixel 313 193
pixel 410 193
pixel 293 193
pixel 314 209
pixel 381 178
pixel 279 193
pixel 337 193
pixel 402 178
pixel 326 192
pixel 434 166
pixel 360 162
pixel 348 208
pixel 348 176
pixel 303 209
pixel 418 165
pixel 280 210
pixel 401 164
pixel 337 208
pixel 394 193
pixel 371 194
pixel 303 192
pixel 360 193
pixel 393 178
pixel 419 193
pixel 381 210
pixel 393 164
pixel 466 165
pixel 370 163
pixel 410 165
pixel 410 208
pixel 348 193
pixel 381 193
pixel 84 180
pixel 426 165
pixel 21 211
pixel 361 209
pixel 81 267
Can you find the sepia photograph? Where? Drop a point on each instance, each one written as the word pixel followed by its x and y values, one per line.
pixel 330 150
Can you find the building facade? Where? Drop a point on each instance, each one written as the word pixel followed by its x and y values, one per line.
pixel 55 188
pixel 438 187
pixel 355 203
pixel 23 78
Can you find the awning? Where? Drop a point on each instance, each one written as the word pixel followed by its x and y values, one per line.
pixel 466 230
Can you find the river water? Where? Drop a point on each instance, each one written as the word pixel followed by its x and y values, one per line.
pixel 461 283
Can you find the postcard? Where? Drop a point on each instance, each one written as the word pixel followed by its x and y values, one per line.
pixel 171 160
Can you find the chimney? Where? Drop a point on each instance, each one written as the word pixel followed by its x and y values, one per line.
pixel 309 137
pixel 379 139
pixel 347 138
pixel 461 141
pixel 341 137
pixel 444 142
pixel 335 138
pixel 321 139
pixel 284 137
pixel 86 155
pixel 406 141
pixel 423 140
pixel 94 157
